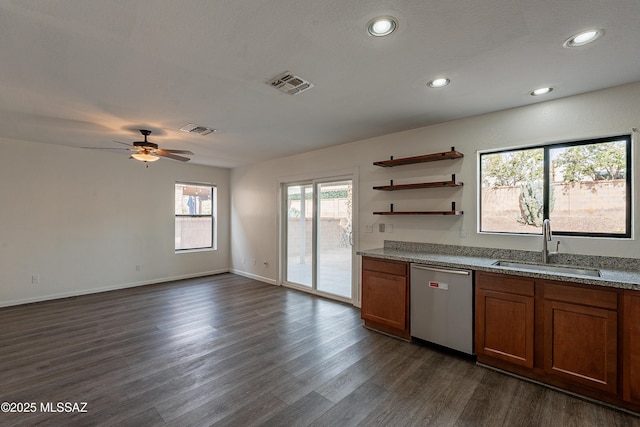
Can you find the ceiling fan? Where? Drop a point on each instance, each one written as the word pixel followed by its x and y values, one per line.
pixel 146 151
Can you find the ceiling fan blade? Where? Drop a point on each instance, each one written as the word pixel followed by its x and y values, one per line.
pixel 179 152
pixel 132 148
pixel 124 143
pixel 165 153
pixel 105 148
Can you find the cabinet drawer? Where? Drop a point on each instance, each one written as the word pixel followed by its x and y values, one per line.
pixel 383 266
pixel 504 283
pixel 601 298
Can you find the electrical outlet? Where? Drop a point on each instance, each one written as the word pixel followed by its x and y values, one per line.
pixel 463 233
pixel 137 267
pixel 381 228
pixel 368 228
pixel 389 228
pixel 35 279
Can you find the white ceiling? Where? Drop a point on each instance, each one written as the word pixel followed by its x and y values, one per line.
pixel 88 72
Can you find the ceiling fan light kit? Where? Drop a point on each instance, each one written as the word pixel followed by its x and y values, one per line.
pixel 145 157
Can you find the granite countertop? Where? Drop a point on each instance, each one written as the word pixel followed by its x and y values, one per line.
pixel 614 272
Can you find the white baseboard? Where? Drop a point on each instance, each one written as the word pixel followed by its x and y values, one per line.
pixel 108 288
pixel 253 276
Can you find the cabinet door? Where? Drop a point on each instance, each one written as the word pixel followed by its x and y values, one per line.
pixel 384 299
pixel 504 326
pixel 631 381
pixel 581 344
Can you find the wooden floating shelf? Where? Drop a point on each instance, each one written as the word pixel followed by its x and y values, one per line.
pixel 446 155
pixel 421 213
pixel 453 211
pixel 439 184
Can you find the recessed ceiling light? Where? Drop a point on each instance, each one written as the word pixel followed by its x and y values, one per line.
pixel 441 82
pixel 382 26
pixel 583 38
pixel 541 91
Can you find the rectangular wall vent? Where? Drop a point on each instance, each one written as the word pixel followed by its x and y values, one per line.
pixel 200 130
pixel 290 83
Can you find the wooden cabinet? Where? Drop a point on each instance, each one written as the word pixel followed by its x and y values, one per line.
pixel 505 318
pixel 631 347
pixel 580 336
pixel 385 296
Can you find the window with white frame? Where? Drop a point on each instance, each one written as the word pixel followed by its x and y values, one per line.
pixel 195 210
pixel 583 187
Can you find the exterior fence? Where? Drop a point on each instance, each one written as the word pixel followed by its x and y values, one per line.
pixel 191 232
pixel 578 206
pixel 334 234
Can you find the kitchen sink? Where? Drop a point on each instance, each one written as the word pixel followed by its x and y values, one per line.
pixel 549 268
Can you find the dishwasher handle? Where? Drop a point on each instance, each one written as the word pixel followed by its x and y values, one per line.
pixel 441 270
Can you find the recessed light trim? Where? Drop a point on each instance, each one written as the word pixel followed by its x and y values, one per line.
pixel 584 37
pixel 541 91
pixel 439 82
pixel 382 26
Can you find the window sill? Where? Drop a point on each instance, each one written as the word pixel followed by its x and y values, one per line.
pixel 188 251
pixel 554 236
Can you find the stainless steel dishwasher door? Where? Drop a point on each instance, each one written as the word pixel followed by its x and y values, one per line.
pixel 442 306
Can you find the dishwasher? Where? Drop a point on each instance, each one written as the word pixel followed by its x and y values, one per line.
pixel 442 306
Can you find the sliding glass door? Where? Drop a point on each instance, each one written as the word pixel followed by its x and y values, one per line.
pixel 299 241
pixel 319 238
pixel 335 238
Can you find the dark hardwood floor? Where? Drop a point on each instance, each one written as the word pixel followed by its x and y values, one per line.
pixel 226 350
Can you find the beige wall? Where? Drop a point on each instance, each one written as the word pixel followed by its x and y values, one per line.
pixel 254 205
pixel 82 220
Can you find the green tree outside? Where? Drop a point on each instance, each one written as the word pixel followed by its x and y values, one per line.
pixel 593 162
pixel 525 168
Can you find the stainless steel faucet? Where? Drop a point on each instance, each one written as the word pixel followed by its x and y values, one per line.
pixel 546 237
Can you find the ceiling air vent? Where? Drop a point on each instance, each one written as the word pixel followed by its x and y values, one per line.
pixel 290 83
pixel 200 130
